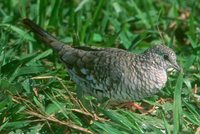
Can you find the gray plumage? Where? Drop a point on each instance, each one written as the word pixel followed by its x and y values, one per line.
pixel 110 72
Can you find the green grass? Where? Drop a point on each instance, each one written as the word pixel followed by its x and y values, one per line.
pixel 36 93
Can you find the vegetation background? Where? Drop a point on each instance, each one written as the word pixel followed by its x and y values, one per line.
pixel 37 95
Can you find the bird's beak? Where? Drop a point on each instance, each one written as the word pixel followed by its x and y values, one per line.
pixel 177 67
pixel 174 66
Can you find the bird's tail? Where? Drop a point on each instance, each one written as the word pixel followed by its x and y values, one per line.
pixel 43 35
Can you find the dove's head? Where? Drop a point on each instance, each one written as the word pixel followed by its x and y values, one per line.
pixel 163 56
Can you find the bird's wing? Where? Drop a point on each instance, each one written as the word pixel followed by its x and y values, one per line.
pixel 99 68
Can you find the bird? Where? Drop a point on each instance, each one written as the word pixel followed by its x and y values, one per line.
pixel 112 73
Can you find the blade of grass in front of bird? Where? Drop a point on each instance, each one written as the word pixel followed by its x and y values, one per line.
pixel 166 124
pixel 177 105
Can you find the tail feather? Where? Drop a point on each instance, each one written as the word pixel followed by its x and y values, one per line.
pixel 43 35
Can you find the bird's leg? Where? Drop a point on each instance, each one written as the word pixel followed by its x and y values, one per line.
pixel 132 106
pixel 135 105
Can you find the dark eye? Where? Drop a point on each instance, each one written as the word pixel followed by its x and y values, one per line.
pixel 165 57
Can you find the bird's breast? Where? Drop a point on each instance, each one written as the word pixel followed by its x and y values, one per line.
pixel 143 82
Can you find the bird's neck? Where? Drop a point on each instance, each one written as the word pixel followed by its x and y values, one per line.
pixel 152 59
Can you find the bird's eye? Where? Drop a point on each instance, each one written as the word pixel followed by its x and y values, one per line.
pixel 166 57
